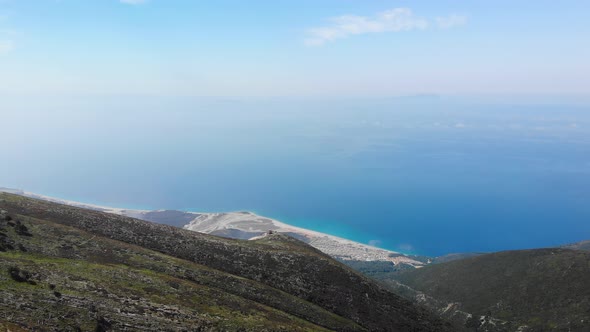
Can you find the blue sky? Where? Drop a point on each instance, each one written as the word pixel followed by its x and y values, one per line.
pixel 294 48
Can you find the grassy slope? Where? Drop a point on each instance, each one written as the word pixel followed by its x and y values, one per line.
pixel 131 286
pixel 546 289
pixel 264 271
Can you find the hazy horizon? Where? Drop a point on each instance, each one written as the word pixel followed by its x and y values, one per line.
pixel 424 175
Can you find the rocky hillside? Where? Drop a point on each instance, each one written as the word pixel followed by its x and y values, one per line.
pixel 542 289
pixel 246 225
pixel 63 267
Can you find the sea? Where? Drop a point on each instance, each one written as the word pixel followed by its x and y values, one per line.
pixel 425 174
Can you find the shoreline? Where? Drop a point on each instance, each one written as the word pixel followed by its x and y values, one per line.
pixel 296 225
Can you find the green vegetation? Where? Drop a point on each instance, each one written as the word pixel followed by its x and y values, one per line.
pixel 46 287
pixel 544 289
pixel 76 269
pixel 69 294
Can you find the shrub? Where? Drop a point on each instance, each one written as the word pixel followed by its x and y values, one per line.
pixel 19 275
pixel 21 229
pixel 102 325
pixel 5 245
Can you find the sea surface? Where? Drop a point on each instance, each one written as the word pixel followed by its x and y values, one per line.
pixel 427 175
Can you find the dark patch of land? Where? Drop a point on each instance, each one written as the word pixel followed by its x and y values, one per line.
pixel 169 217
pixel 235 234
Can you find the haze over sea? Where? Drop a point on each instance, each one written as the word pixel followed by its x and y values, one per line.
pixel 428 175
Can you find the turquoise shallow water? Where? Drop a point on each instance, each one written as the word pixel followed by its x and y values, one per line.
pixel 425 176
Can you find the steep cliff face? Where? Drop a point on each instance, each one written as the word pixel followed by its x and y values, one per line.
pixel 288 280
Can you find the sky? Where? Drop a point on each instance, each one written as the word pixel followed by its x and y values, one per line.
pixel 294 48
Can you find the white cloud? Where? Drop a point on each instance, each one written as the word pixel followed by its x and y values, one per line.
pixel 394 20
pixel 6 46
pixel 133 2
pixel 451 21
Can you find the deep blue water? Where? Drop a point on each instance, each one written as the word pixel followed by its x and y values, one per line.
pixel 424 175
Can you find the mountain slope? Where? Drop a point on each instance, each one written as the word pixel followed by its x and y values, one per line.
pixel 80 278
pixel 276 263
pixel 246 225
pixel 545 289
